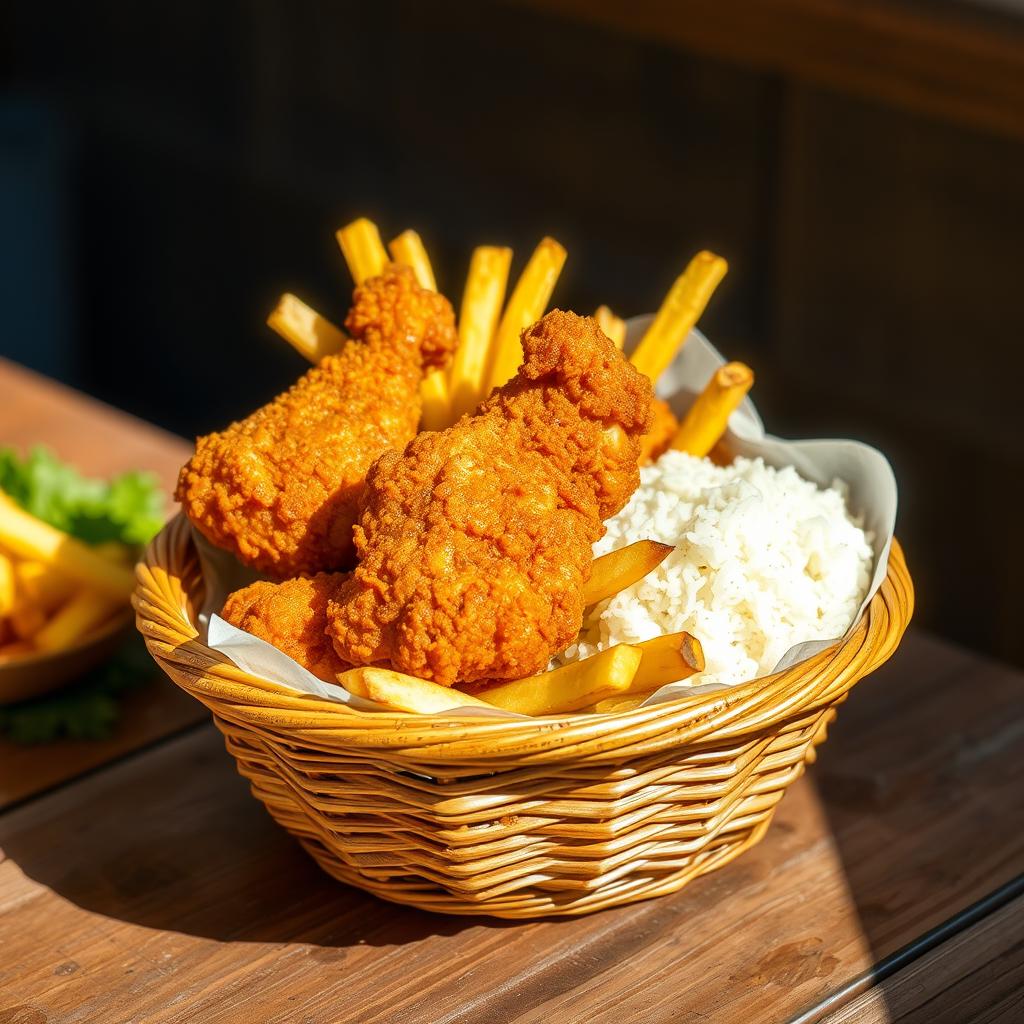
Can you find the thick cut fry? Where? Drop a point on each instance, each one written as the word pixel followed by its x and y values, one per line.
pixel 667 659
pixel 679 312
pixel 436 406
pixel 621 568
pixel 404 693
pixel 363 250
pixel 408 248
pixel 525 306
pixel 310 334
pixel 28 537
pixel 82 614
pixel 708 417
pixel 478 321
pixel 570 687
pixel 612 325
pixel 41 585
pixel 436 415
pixel 7 590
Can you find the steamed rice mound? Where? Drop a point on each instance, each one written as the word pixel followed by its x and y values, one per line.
pixel 764 560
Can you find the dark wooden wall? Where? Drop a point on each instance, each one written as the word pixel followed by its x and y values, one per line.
pixel 211 149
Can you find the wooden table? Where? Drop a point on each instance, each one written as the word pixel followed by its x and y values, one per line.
pixel 142 883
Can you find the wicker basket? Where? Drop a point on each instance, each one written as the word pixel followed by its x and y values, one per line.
pixel 509 817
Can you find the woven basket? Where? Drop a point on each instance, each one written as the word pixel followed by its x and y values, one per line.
pixel 515 818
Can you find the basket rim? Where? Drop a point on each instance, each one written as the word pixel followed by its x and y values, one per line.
pixel 166 598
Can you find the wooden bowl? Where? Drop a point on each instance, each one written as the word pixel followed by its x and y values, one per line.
pixel 36 674
pixel 515 818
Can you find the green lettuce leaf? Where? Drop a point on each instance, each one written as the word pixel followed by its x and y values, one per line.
pixel 129 508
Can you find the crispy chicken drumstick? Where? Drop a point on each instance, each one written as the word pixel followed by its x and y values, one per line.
pixel 280 488
pixel 475 542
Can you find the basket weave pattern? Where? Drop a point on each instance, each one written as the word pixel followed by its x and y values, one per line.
pixel 515 818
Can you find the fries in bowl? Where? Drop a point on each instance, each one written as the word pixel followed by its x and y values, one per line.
pixel 67 546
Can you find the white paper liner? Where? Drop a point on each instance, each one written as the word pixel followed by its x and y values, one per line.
pixel 872 494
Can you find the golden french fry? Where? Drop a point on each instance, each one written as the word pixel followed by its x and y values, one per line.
pixel 478 321
pixel 28 537
pixel 708 417
pixel 681 309
pixel 404 693
pixel 570 687
pixel 525 306
pixel 41 585
pixel 7 588
pixel 408 248
pixel 83 613
pixel 436 407
pixel 310 334
pixel 612 325
pixel 363 250
pixel 623 567
pixel 667 659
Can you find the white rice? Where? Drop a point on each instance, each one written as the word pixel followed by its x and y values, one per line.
pixel 763 560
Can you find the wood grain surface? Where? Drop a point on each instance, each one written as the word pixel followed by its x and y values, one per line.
pixel 977 976
pixel 158 890
pixel 100 441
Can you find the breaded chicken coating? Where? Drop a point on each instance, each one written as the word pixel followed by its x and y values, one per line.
pixel 280 488
pixel 475 542
pixel 292 616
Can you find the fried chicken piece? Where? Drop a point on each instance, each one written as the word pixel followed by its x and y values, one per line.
pixel 475 542
pixel 280 488
pixel 292 616
pixel 656 441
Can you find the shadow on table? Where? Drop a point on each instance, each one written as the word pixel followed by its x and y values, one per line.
pixel 192 852
pixel 915 781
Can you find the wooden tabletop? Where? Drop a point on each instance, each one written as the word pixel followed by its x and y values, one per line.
pixel 152 887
